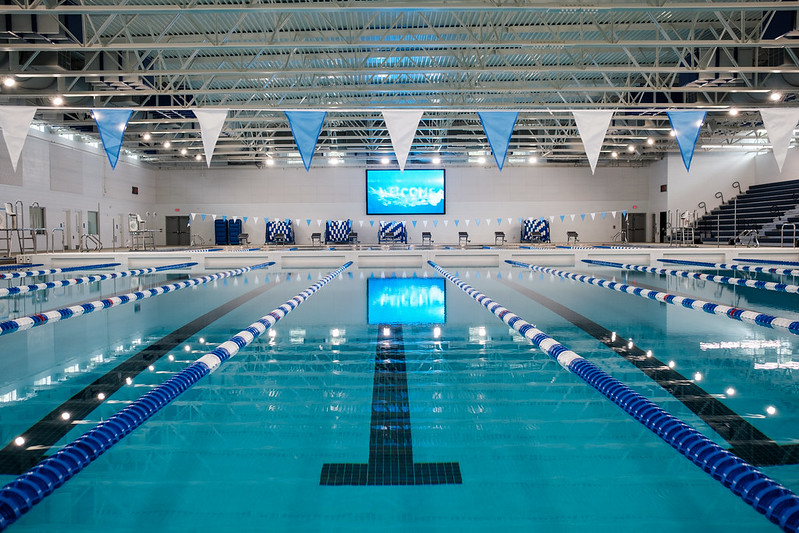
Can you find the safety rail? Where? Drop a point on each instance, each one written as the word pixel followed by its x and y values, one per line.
pixel 20 495
pixel 742 315
pixel 733 266
pixel 28 273
pixel 740 282
pixel 24 289
pixel 782 233
pixel 31 321
pixel 751 235
pixel 776 502
pixel 84 242
pixel 52 240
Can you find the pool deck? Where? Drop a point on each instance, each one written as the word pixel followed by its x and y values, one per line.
pixel 413 256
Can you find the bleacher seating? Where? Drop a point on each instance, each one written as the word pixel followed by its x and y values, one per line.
pixel 535 230
pixel 762 208
pixel 279 232
pixel 338 231
pixel 392 231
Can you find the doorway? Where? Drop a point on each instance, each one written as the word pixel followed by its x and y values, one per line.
pixel 662 227
pixel 635 227
pixel 177 231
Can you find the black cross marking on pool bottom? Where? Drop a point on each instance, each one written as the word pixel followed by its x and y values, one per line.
pixel 390 444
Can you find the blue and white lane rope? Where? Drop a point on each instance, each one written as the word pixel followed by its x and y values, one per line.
pixel 23 289
pixel 752 317
pixel 31 321
pixel 740 282
pixel 766 261
pixel 20 495
pixel 733 266
pixel 18 266
pixel 27 273
pixel 776 502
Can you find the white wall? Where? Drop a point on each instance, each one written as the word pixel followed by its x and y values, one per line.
pixel 61 175
pixel 473 194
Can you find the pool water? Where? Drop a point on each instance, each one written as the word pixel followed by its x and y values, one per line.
pixel 536 449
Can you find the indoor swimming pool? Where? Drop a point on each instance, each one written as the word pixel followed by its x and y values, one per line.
pixel 390 400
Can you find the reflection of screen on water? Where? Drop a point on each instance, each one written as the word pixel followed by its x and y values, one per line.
pixel 412 192
pixel 406 301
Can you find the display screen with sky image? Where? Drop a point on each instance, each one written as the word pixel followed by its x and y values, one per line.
pixel 409 192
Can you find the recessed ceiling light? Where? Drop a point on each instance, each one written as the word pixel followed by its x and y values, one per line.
pixel 146 136
pixel 9 82
pixel 631 148
pixel 270 162
pixel 481 160
pixel 57 100
pixel 198 157
pixel 775 96
pixel 384 161
pixel 167 144
pixel 733 112
pixel 183 151
pixel 436 160
pixel 614 154
pixel 650 141
pixel 532 160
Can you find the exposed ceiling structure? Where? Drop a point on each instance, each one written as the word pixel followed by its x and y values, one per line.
pixel 356 58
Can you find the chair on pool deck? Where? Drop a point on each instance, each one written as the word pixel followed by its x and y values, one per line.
pixel 427 238
pixel 571 235
pixel 244 239
pixel 463 238
pixel 535 230
pixel 316 239
pixel 392 231
pixel 499 238
pixel 338 231
pixel 279 232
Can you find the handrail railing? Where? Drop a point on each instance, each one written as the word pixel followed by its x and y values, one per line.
pixel 52 240
pixel 84 242
pixel 720 195
pixel 738 185
pixel 782 233
pixel 702 205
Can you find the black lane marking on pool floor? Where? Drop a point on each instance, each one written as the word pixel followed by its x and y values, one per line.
pixel 390 444
pixel 40 437
pixel 747 442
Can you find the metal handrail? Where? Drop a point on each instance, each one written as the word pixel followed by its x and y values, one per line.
pixel 703 205
pixel 52 240
pixel 738 185
pixel 782 233
pixel 720 195
pixel 84 242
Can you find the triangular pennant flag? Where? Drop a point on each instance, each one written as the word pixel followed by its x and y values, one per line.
pixel 498 127
pixel 686 125
pixel 306 126
pixel 372 223
pixel 318 223
pixel 446 223
pixel 603 215
pixel 211 122
pixel 15 121
pixel 613 213
pixel 572 217
pixel 562 217
pixel 213 217
pixel 435 223
pixel 456 222
pixel 592 125
pixel 552 218
pixel 779 124
pixel 582 216
pixel 593 216
pixel 360 223
pixel 414 223
pixel 202 216
pixel 296 221
pixel 255 220
pixel 193 215
pixel 510 221
pixel 224 217
pixel 401 125
pixel 624 214
pixel 488 222
pixel 244 219
pixel 424 223
pixel 499 222
pixel 308 222
pixel 111 124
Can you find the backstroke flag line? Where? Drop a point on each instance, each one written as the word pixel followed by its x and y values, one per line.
pixel 111 124
pixel 686 126
pixel 779 123
pixel 498 127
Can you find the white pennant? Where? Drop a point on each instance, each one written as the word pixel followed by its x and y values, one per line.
pixel 360 222
pixel 211 122
pixel 255 220
pixel 593 216
pixel 551 218
pixel 510 221
pixel 613 213
pixel 446 223
pixel 213 217
pixel 401 125
pixel 15 121
pixel 466 222
pixel 592 125
pixel 779 123
pixel 572 217
pixel 424 222
pixel 193 215
pixel 318 222
pixel 488 222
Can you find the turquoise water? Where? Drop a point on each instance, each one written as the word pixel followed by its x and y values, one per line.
pixel 537 449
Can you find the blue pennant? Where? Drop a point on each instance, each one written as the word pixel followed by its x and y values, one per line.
pixel 456 222
pixel 603 215
pixel 306 126
pixel 477 221
pixel 308 221
pixel 111 124
pixel 203 216
pixel 414 223
pixel 372 223
pixel 624 214
pixel 435 223
pixel 582 216
pixel 499 222
pixel 562 217
pixel 686 125
pixel 498 127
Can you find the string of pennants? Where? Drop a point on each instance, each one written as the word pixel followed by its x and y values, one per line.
pixel 423 223
pixel 401 125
